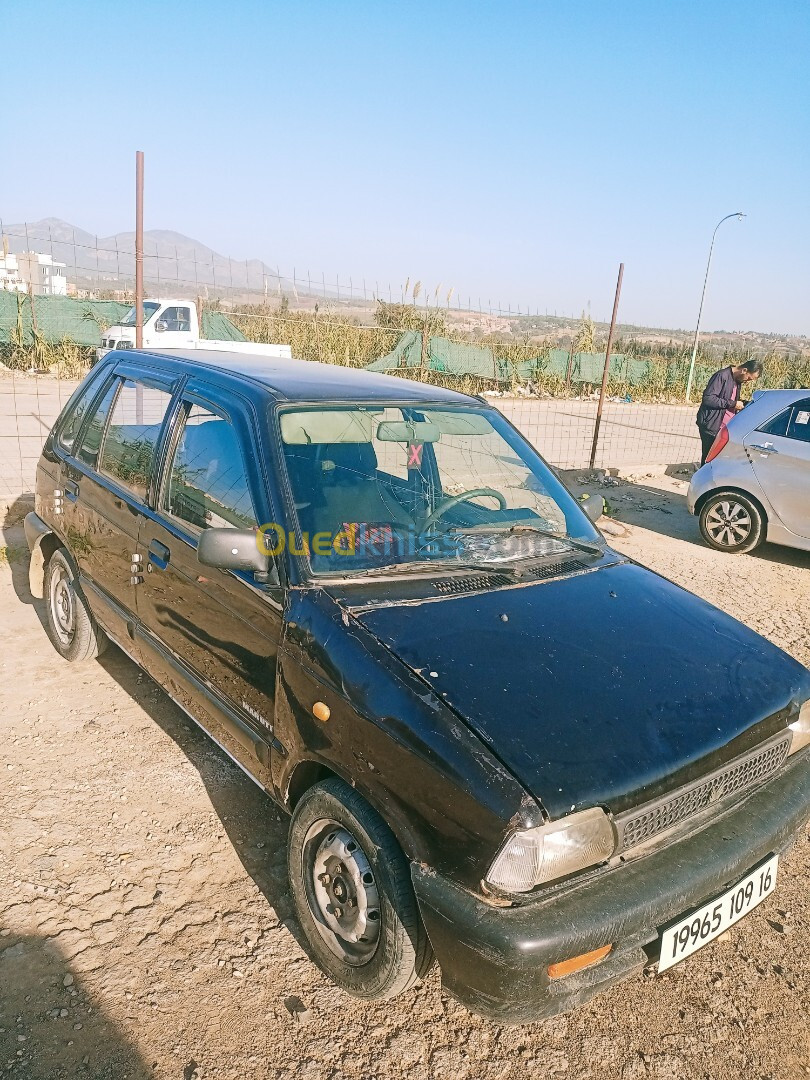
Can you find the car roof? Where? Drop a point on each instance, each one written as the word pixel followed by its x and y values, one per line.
pixel 770 401
pixel 303 380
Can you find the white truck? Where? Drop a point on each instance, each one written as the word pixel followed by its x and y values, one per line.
pixel 174 324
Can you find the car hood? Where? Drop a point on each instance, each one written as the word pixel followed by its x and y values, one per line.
pixel 605 688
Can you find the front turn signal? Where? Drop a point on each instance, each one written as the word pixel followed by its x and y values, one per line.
pixel 800 729
pixel 577 963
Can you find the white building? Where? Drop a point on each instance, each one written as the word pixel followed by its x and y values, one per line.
pixel 10 279
pixel 42 276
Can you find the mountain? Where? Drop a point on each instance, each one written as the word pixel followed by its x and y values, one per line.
pixel 170 259
pixel 178 264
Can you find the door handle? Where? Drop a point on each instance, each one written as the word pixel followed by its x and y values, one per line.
pixel 159 554
pixel 764 448
pixel 71 490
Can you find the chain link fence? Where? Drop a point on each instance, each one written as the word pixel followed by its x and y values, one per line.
pixel 57 309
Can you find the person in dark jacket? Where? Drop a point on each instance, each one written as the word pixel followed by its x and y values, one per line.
pixel 721 400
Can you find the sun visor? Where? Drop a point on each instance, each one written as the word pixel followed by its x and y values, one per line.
pixel 315 426
pixel 459 423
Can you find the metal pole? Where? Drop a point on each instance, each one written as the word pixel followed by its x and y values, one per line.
pixel 607 365
pixel 570 369
pixel 690 380
pixel 139 249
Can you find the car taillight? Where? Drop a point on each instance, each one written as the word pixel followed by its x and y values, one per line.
pixel 718 444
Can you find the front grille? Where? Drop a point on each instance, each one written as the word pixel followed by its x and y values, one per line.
pixel 472 584
pixel 732 779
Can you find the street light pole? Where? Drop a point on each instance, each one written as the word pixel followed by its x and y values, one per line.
pixel 739 215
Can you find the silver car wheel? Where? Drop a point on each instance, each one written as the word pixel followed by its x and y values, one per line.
pixel 729 523
pixel 63 606
pixel 342 892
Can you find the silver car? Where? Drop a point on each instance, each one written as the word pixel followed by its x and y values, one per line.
pixel 755 485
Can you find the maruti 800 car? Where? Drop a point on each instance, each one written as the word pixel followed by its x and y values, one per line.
pixel 501 743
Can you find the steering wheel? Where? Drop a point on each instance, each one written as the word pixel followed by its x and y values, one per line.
pixel 454 500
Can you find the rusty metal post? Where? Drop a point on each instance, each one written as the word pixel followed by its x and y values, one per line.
pixel 570 368
pixel 425 343
pixel 607 366
pixel 139 249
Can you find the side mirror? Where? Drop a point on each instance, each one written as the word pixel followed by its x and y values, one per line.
pixel 594 507
pixel 233 549
pixel 160 326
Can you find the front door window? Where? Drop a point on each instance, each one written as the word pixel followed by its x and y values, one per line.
pixel 207 484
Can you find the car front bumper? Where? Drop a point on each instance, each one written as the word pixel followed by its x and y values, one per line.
pixel 495 960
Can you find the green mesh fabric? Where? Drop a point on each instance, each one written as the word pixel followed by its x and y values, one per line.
pixel 217 327
pixel 456 358
pixel 64 318
pixel 56 318
pixel 406 354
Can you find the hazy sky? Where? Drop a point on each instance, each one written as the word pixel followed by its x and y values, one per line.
pixel 516 151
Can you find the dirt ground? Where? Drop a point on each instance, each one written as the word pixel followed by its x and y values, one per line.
pixel 145 922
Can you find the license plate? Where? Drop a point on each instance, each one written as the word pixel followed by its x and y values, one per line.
pixel 708 922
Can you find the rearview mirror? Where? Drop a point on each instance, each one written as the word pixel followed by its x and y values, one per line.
pixel 407 431
pixel 160 326
pixel 232 549
pixel 594 507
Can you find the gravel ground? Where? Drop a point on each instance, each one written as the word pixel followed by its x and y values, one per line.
pixel 145 923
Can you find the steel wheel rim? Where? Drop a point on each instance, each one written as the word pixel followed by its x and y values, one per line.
pixel 62 602
pixel 729 523
pixel 341 890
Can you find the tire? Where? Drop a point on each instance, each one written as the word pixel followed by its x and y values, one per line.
pixel 72 629
pixel 340 850
pixel 732 522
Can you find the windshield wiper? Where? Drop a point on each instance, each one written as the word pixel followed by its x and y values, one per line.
pixel 520 526
pixel 432 565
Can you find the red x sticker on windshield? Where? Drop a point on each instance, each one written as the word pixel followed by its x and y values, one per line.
pixel 414 455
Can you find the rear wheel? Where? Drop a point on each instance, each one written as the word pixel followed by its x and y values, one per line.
pixel 731 522
pixel 353 895
pixel 71 626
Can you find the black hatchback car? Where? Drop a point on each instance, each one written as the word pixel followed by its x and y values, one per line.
pixel 502 744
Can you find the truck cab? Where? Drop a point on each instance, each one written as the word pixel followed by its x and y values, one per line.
pixel 174 324
pixel 168 323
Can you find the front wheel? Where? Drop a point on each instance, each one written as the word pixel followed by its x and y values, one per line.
pixel 731 522
pixel 71 626
pixel 352 891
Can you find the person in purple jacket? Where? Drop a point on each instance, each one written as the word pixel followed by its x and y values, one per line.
pixel 721 400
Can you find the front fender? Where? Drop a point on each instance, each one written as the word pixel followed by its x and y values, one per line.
pixel 36 532
pixel 444 794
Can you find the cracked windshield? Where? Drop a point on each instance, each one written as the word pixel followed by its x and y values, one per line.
pixel 379 488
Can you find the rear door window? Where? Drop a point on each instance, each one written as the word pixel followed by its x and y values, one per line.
pixel 73 420
pixel 791 423
pixel 91 440
pixel 133 432
pixel 207 484
pixel 778 424
pixel 799 426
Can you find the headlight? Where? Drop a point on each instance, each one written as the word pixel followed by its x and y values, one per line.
pixel 531 856
pixel 800 729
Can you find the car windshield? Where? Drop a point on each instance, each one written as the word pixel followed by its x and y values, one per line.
pixel 149 309
pixel 396 487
